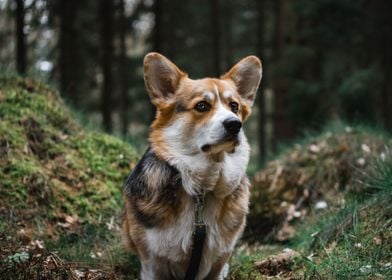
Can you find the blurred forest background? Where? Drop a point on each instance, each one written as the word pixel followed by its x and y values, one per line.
pixel 323 60
pixel 320 209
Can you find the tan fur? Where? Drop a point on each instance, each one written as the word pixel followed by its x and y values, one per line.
pixel 175 97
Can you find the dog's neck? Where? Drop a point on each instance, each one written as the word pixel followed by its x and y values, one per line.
pixel 218 173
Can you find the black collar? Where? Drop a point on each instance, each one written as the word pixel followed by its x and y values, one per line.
pixel 199 236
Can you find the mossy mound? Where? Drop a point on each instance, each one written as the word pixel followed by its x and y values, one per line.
pixel 354 241
pixel 310 177
pixel 54 175
pixel 350 171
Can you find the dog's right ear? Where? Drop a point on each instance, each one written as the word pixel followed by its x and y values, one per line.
pixel 161 77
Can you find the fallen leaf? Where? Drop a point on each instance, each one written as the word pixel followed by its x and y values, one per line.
pixel 63 225
pixel 377 240
pixel 23 236
pixel 331 247
pixel 314 149
pixel 361 161
pixel 365 148
pixel 71 219
pixel 321 205
pixel 286 232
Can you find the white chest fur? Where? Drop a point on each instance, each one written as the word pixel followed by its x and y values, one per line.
pixel 174 242
pixel 201 171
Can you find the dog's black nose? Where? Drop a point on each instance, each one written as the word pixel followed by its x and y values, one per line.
pixel 232 126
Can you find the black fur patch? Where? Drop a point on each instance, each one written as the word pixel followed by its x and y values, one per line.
pixel 138 189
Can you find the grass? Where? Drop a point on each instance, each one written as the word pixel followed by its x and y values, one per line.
pixel 59 182
pixel 356 240
pixel 43 145
pixel 320 167
pixel 350 168
pixel 242 263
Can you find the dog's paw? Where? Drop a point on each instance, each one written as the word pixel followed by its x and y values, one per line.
pixel 224 272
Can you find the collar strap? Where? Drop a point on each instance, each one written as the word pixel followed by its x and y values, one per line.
pixel 199 236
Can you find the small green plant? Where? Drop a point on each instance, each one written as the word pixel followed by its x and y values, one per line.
pixel 18 257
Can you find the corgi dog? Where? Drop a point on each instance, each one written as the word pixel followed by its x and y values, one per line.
pixel 197 146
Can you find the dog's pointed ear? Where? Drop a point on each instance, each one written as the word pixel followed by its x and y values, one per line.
pixel 246 75
pixel 161 77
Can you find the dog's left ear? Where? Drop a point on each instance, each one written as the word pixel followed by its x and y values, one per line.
pixel 161 77
pixel 246 75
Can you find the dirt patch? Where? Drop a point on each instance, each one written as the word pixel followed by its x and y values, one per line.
pixel 32 261
pixel 277 265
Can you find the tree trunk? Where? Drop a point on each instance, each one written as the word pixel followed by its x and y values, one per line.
pixel 68 50
pixel 380 42
pixel 123 69
pixel 107 35
pixel 158 26
pixel 216 37
pixel 284 128
pixel 385 44
pixel 227 34
pixel 20 38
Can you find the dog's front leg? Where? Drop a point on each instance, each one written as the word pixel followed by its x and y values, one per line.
pixel 150 270
pixel 155 269
pixel 220 269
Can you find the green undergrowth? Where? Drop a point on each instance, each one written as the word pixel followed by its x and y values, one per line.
pixel 349 170
pixel 59 182
pixel 354 241
pixel 242 263
pixel 321 167
pixel 61 185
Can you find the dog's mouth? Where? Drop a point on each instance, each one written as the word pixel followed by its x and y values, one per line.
pixel 227 142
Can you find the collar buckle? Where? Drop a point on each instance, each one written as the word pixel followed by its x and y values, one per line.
pixel 199 205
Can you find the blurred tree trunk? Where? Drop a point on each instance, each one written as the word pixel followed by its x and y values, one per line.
pixel 227 34
pixel 384 45
pixel 107 35
pixel 20 38
pixel 125 106
pixel 380 42
pixel 260 44
pixel 284 128
pixel 68 49
pixel 386 95
pixel 158 26
pixel 216 37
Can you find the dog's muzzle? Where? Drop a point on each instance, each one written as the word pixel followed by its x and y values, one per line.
pixel 232 128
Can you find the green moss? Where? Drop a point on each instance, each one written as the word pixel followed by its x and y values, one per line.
pixel 47 160
pixel 53 170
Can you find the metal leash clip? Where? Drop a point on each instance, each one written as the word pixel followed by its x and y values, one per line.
pixel 199 208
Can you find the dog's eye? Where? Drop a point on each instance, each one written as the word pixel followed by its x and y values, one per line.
pixel 234 106
pixel 203 106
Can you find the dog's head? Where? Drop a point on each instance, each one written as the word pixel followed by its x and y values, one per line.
pixel 199 116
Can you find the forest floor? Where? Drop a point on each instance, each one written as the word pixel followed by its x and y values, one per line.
pixel 321 209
